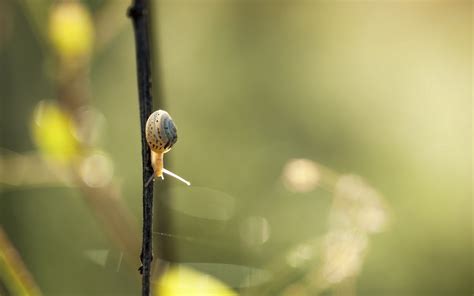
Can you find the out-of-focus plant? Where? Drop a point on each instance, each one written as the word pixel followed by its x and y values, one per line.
pixel 332 261
pixel 358 211
pixel 66 128
pixel 69 129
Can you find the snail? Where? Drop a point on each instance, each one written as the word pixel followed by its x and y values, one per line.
pixel 161 135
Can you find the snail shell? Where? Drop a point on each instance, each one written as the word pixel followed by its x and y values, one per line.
pixel 161 135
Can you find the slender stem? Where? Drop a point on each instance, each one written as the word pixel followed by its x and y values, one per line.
pixel 13 271
pixel 139 12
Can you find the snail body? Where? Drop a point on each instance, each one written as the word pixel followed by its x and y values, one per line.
pixel 161 134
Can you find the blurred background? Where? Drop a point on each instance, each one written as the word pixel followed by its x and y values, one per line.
pixel 329 146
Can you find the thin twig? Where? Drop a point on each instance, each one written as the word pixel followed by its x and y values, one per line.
pixel 139 13
pixel 13 270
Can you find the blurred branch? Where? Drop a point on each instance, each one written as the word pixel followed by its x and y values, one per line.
pixel 13 271
pixel 28 169
pixel 139 12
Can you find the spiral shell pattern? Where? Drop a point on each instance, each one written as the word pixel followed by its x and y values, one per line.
pixel 161 133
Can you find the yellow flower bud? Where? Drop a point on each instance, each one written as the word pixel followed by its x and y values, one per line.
pixel 53 132
pixel 186 281
pixel 71 30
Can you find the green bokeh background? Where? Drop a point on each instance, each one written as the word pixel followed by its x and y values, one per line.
pixel 382 89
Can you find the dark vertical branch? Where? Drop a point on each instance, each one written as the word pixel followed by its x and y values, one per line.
pixel 139 12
